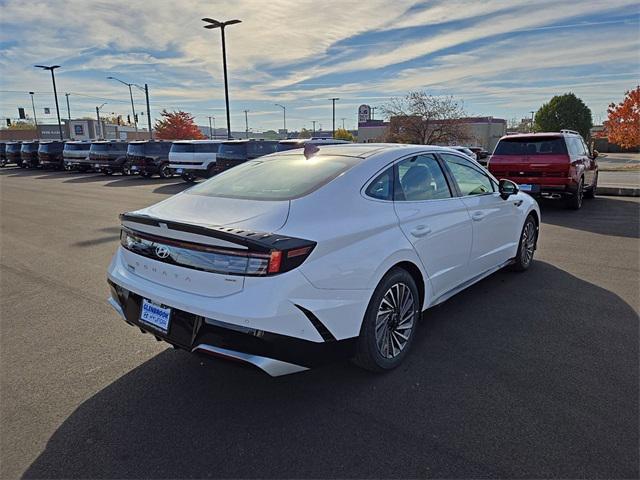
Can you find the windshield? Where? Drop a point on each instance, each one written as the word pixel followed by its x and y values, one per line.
pixel 531 146
pixel 135 149
pixel 75 147
pixel 29 147
pixel 99 147
pixel 50 147
pixel 13 147
pixel 182 148
pixel 276 178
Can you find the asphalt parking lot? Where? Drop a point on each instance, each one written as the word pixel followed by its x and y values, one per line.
pixel 522 375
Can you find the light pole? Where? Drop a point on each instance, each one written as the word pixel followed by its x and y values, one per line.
pixel 284 117
pixel 343 119
pixel 221 25
pixel 246 123
pixel 146 95
pixel 532 112
pixel 55 93
pixel 33 105
pixel 373 112
pixel 314 127
pixel 68 108
pixel 210 130
pixel 99 124
pixel 133 109
pixel 333 130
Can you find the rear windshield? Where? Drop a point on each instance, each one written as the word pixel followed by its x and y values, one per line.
pixel 76 147
pixel 50 147
pixel 182 148
pixel 277 178
pixel 531 146
pixel 29 147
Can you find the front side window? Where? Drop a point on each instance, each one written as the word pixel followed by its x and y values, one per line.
pixel 470 179
pixel 182 148
pixel 206 147
pixel 420 178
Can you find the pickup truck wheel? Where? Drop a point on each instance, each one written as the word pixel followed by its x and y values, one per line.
pixel 575 202
pixel 189 177
pixel 165 171
pixel 591 192
pixel 211 170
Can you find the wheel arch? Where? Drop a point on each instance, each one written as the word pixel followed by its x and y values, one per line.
pixel 416 274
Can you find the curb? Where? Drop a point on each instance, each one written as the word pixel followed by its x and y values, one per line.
pixel 618 191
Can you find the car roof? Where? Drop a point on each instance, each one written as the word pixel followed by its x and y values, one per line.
pixel 213 140
pixel 543 134
pixel 365 150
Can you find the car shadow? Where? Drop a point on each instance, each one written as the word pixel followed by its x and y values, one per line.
pixel 137 180
pixel 114 234
pixel 173 188
pixel 604 215
pixel 514 377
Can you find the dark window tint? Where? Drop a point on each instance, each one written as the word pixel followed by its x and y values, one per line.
pixel 257 149
pixel 50 147
pixel 279 178
pixel 421 178
pixel 471 180
pixel 234 150
pixel 29 147
pixel 182 148
pixel 531 146
pixel 117 147
pixel 382 187
pixel 206 147
pixel 13 147
pixel 74 147
pixel 99 147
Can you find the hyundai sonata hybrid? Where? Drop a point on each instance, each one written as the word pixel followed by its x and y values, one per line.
pixel 301 257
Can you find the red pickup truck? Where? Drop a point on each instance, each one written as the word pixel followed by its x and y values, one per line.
pixel 548 165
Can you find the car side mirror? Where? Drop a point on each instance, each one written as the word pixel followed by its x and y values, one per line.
pixel 507 188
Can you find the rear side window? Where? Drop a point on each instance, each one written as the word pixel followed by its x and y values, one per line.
pixel 470 179
pixel 278 178
pixel 182 148
pixel 421 178
pixel 206 147
pixel 234 148
pixel 531 146
pixel 257 149
pixel 382 187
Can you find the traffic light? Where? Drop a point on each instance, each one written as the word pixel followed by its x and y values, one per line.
pixel 136 118
pixel 8 122
pixel 129 119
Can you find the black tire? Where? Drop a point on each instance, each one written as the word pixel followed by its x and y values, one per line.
pixel 107 171
pixel 371 346
pixel 146 174
pixel 526 245
pixel 575 201
pixel 591 192
pixel 211 170
pixel 188 177
pixel 165 171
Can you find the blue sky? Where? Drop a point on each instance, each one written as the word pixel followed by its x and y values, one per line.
pixel 501 58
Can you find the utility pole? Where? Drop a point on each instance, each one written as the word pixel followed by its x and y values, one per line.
pixel 333 130
pixel 314 127
pixel 284 117
pixel 146 94
pixel 373 112
pixel 343 119
pixel 246 123
pixel 221 25
pixel 33 105
pixel 68 108
pixel 532 112
pixel 210 130
pixel 99 124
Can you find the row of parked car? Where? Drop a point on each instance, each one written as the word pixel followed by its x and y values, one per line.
pixel 190 159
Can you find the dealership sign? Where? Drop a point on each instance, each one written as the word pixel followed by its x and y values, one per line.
pixel 364 113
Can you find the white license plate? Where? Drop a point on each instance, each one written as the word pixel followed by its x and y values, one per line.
pixel 525 187
pixel 155 315
pixel 134 168
pixel 179 170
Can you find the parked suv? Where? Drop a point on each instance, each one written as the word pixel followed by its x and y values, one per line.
pixel 12 153
pixel 3 154
pixel 50 154
pixel 548 165
pixel 149 157
pixel 29 154
pixel 73 153
pixel 194 158
pixel 235 152
pixel 106 156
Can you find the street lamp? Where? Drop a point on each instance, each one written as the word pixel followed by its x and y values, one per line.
pixel 33 105
pixel 246 123
pixel 68 108
pixel 211 132
pixel 99 124
pixel 284 116
pixel 55 93
pixel 333 101
pixel 532 112
pixel 146 95
pixel 221 25
pixel 133 109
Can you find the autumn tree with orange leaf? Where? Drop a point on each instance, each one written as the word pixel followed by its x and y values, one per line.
pixel 177 125
pixel 623 124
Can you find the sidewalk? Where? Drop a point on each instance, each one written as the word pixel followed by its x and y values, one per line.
pixel 619 174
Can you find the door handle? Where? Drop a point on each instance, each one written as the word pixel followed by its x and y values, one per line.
pixel 477 216
pixel 421 231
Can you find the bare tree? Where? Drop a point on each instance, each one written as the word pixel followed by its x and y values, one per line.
pixel 425 119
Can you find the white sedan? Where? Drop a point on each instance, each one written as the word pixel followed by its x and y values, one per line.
pixel 297 258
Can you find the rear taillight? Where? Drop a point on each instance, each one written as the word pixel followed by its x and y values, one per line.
pixel 214 259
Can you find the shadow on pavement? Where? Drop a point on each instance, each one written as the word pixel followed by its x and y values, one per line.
pixel 515 377
pixel 602 215
pixel 173 188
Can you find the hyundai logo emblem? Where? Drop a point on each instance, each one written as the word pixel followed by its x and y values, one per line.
pixel 162 251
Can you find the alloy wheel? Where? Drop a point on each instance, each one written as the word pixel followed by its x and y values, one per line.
pixel 528 243
pixel 395 320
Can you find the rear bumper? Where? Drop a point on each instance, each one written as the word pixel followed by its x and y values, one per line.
pixel 195 170
pixel 273 353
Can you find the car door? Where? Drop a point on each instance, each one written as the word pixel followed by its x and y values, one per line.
pixel 434 219
pixel 495 221
pixel 589 164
